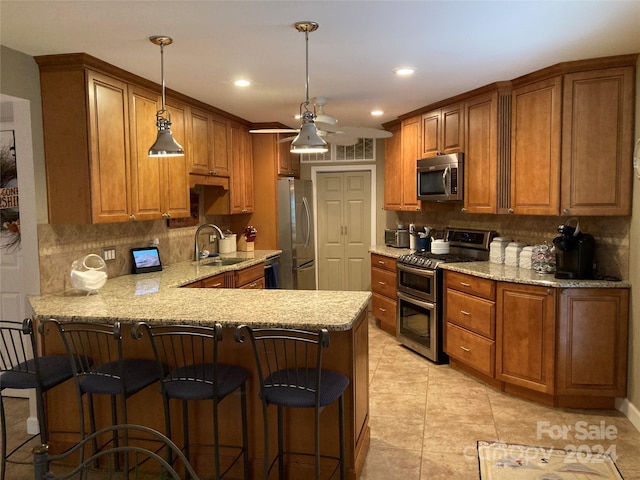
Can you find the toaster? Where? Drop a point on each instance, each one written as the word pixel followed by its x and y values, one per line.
pixel 396 238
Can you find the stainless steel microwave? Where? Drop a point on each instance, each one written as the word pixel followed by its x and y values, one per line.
pixel 440 178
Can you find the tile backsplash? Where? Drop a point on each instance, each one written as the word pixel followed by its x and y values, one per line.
pixel 60 245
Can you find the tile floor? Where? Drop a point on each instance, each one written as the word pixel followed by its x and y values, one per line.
pixel 425 420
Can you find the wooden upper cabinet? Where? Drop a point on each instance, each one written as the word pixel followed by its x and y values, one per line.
pixel 241 188
pixel 288 163
pixel 442 131
pixel 209 150
pixel 535 148
pixel 393 170
pixel 410 140
pixel 597 142
pixel 481 154
pixel 159 185
pixel 86 143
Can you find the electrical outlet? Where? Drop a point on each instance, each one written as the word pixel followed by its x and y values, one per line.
pixel 212 237
pixel 109 254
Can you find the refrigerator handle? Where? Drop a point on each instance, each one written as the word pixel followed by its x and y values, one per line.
pixel 308 213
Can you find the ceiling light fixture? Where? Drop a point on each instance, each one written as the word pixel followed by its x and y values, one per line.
pixel 242 83
pixel 308 140
pixel 165 145
pixel 404 71
pixel 377 113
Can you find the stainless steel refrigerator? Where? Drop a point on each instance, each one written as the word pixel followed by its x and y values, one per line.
pixel 295 233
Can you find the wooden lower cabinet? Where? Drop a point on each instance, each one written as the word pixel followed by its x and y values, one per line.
pixel 525 336
pixel 383 288
pixel 592 342
pixel 250 277
pixel 559 346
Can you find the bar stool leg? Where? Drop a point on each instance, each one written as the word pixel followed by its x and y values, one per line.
pixel 343 473
pixel 316 442
pixel 4 438
pixel 280 443
pixel 265 426
pixel 245 429
pixel 185 429
pixel 216 439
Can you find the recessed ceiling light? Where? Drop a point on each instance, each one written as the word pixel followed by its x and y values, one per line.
pixel 377 113
pixel 242 83
pixel 404 71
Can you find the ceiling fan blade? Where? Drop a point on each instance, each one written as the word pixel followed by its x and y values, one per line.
pixel 340 139
pixel 365 132
pixel 327 127
pixel 286 139
pixel 274 130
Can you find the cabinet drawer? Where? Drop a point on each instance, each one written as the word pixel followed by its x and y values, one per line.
pixel 386 263
pixel 255 284
pixel 216 281
pixel 384 309
pixel 473 313
pixel 470 348
pixel 481 287
pixel 249 274
pixel 383 282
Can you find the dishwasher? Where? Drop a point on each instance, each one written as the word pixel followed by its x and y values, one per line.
pixel 272 272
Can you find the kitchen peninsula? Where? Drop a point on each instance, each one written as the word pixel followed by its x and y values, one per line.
pixel 156 298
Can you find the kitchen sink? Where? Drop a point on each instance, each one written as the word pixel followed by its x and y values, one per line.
pixel 221 262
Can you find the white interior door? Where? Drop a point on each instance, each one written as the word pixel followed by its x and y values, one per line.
pixel 344 230
pixel 19 270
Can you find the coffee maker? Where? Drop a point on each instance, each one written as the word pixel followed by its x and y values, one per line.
pixel 574 252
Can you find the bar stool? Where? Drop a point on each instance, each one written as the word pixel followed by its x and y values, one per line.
pixel 20 370
pixel 289 364
pixel 191 354
pixel 99 368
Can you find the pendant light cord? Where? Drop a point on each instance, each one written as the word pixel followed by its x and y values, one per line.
pixel 162 73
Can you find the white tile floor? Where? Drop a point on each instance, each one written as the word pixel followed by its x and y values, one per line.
pixel 425 420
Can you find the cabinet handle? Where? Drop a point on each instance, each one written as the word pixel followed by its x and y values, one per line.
pixel 565 211
pixel 381 262
pixel 216 285
pixel 382 309
pixel 465 348
pixel 510 210
pixel 213 172
pixel 549 291
pixel 465 284
pixel 464 313
pixel 253 285
pixel 382 283
pixel 132 218
pixel 463 210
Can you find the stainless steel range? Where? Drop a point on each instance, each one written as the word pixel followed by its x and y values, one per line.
pixel 420 290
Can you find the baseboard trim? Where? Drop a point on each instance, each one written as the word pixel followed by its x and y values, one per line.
pixel 630 411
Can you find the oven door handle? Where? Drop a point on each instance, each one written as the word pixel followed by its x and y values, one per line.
pixel 416 301
pixel 423 272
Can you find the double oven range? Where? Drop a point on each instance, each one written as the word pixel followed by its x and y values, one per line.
pixel 420 291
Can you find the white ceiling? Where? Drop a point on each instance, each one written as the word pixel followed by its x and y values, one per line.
pixel 455 45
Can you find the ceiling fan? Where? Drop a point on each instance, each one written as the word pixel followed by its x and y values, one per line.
pixel 317 127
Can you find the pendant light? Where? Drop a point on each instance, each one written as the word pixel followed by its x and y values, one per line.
pixel 165 145
pixel 308 139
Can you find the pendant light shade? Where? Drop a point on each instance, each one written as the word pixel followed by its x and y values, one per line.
pixel 308 140
pixel 165 145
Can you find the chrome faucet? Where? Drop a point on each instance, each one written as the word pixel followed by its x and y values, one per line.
pixel 205 225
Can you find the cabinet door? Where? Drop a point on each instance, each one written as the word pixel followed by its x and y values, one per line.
pixel 175 170
pixel 592 342
pixel 199 151
pixel 525 336
pixel 430 134
pixel 109 143
pixel 218 149
pixel 241 188
pixel 288 163
pixel 535 148
pixel 451 129
pixel 481 154
pixel 393 171
pixel 410 155
pixel 597 130
pixel 146 176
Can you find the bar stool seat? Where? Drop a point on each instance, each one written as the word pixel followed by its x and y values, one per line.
pixel 289 364
pixel 190 353
pixel 18 371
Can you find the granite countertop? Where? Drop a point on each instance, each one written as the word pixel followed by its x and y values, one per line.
pixel 505 273
pixel 155 298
